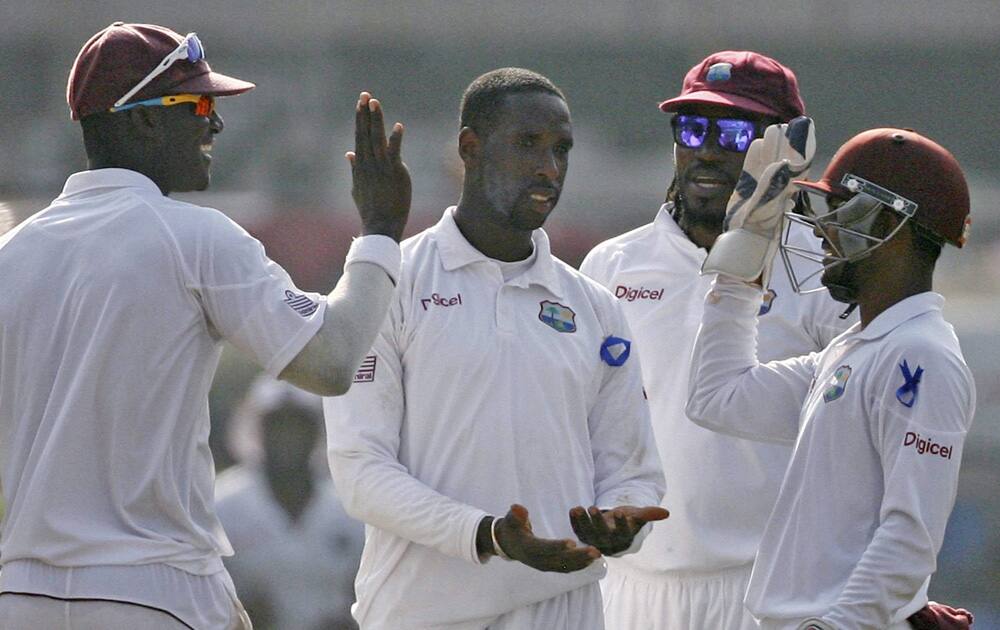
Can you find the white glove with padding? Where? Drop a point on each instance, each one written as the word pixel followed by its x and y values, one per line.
pixel 764 192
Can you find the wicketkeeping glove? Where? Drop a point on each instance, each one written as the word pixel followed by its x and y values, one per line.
pixel 764 192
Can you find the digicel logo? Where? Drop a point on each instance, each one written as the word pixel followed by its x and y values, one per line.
pixel 642 293
pixel 923 445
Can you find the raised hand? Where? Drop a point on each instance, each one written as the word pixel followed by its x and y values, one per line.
pixel 381 182
pixel 763 194
pixel 612 531
pixel 514 535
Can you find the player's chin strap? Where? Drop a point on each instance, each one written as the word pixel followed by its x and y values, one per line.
pixel 847 311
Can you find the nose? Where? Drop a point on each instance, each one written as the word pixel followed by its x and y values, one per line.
pixel 548 166
pixel 710 148
pixel 215 123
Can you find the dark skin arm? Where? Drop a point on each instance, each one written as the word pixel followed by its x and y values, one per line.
pixel 381 182
pixel 612 531
pixel 520 543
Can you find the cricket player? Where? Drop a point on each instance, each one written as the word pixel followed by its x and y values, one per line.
pixel 503 383
pixel 116 301
pixel 878 418
pixel 296 550
pixel 693 569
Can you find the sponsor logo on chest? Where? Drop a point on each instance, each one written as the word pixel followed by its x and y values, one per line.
pixel 436 299
pixel 631 294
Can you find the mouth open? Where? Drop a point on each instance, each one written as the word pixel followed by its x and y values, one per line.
pixel 543 200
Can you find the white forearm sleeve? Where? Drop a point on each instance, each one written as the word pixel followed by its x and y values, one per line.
pixel 729 391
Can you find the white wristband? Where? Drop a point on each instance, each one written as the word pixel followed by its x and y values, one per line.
pixel 496 544
pixel 377 249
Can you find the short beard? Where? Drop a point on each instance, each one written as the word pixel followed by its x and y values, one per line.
pixel 687 219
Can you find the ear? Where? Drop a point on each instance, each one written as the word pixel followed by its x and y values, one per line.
pixel 470 145
pixel 145 122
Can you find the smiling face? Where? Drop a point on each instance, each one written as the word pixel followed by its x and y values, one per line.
pixel 524 159
pixel 185 162
pixel 706 176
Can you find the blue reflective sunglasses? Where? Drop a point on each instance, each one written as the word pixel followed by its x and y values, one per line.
pixel 190 48
pixel 735 134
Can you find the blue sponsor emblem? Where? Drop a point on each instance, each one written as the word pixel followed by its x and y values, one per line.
pixel 837 384
pixel 615 352
pixel 557 317
pixel 719 72
pixel 907 393
pixel 300 303
pixel 765 305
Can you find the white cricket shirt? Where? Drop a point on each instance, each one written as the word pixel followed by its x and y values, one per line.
pixel 115 302
pixel 721 488
pixel 481 393
pixel 878 418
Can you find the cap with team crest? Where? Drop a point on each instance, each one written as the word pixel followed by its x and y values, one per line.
pixel 117 58
pixel 743 79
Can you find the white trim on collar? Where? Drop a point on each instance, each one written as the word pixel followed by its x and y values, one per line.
pixel 455 251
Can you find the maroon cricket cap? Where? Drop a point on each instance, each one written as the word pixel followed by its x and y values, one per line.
pixel 743 79
pixel 114 60
pixel 911 166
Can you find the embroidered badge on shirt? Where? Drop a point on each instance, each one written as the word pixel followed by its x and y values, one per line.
pixel 300 303
pixel 907 393
pixel 615 351
pixel 837 384
pixel 765 305
pixel 366 373
pixel 557 317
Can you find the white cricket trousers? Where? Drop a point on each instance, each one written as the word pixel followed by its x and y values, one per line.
pixel 636 600
pixel 38 612
pixel 579 609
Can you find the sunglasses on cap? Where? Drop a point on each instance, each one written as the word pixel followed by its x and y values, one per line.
pixel 190 49
pixel 735 134
pixel 204 105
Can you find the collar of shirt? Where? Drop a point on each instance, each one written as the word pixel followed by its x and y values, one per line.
pixel 456 251
pixel 85 181
pixel 894 316
pixel 667 227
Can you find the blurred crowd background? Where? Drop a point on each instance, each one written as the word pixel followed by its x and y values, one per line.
pixel 931 65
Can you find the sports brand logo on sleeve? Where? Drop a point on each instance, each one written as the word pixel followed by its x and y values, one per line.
pixel 557 317
pixel 615 352
pixel 837 384
pixel 907 392
pixel 366 373
pixel 766 302
pixel 299 303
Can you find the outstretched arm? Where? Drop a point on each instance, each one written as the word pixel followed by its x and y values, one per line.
pixel 357 307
